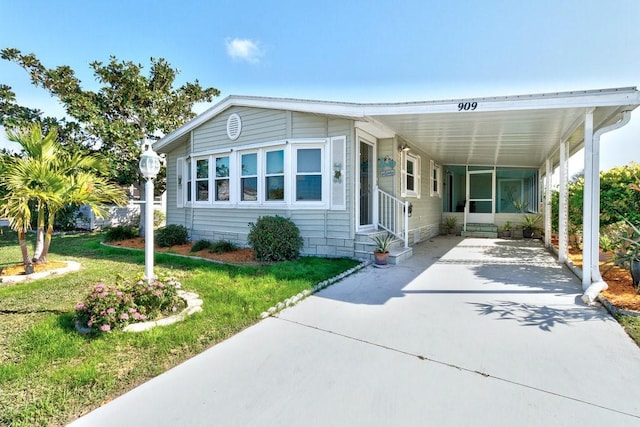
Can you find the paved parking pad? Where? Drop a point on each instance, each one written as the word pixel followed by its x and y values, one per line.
pixel 467 332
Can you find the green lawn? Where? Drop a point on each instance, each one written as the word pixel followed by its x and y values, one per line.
pixel 631 324
pixel 49 374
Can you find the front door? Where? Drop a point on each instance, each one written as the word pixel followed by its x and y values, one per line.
pixel 480 196
pixel 366 184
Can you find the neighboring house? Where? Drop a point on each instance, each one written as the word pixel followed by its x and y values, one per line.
pixel 341 171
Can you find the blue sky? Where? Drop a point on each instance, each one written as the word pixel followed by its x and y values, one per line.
pixel 343 50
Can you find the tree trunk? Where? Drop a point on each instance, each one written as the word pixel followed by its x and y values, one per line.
pixel 40 234
pixel 23 247
pixel 42 259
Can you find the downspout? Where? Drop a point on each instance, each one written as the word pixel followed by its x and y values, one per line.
pixel 598 284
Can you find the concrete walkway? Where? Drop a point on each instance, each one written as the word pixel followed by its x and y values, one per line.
pixel 471 332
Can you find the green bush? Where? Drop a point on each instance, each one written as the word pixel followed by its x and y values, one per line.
pixel 275 238
pixel 222 246
pixel 200 245
pixel 159 218
pixel 120 232
pixel 113 307
pixel 171 235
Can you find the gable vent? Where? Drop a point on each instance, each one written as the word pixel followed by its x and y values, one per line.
pixel 234 126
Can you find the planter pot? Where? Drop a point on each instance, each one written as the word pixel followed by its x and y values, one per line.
pixel 505 234
pixel 381 258
pixel 635 272
pixel 527 233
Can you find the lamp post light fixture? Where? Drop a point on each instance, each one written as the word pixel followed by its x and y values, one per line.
pixel 149 167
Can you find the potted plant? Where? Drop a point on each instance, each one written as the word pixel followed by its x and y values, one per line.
pixel 628 254
pixel 450 224
pixel 529 225
pixel 520 205
pixel 506 229
pixel 381 250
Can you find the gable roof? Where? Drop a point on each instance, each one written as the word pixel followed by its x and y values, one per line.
pixel 517 130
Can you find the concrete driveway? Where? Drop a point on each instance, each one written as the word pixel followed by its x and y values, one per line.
pixel 472 332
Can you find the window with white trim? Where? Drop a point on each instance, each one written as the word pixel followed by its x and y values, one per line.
pixel 274 175
pixel 410 179
pixel 308 174
pixel 202 180
pixel 249 177
pixel 283 173
pixel 221 185
pixel 435 179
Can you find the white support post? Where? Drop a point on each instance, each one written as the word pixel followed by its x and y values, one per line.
pixel 148 230
pixel 563 208
pixel 547 204
pixel 587 206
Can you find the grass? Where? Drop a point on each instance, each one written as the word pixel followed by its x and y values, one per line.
pixel 631 324
pixel 50 374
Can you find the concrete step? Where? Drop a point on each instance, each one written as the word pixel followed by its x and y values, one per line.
pixel 481 234
pixel 396 255
pixel 471 227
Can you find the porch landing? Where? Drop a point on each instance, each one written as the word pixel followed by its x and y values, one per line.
pixel 364 245
pixel 489 231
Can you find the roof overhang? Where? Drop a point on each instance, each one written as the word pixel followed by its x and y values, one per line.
pixel 510 130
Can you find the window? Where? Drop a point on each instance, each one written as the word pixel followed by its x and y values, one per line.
pixel 274 176
pixel 189 180
pixel 308 173
pixel 202 180
pixel 435 179
pixel 222 179
pixel 249 177
pixel 410 175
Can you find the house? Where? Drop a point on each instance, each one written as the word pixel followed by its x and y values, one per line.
pixel 342 171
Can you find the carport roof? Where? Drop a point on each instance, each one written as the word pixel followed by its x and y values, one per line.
pixel 508 130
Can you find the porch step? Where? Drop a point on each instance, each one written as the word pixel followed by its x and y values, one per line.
pixel 364 245
pixel 489 231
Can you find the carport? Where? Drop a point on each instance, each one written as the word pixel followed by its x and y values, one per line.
pixel 534 131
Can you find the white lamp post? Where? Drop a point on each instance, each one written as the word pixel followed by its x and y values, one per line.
pixel 149 167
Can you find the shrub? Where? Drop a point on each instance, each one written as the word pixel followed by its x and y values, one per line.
pixel 113 307
pixel 120 232
pixel 159 218
pixel 200 245
pixel 171 235
pixel 275 238
pixel 222 246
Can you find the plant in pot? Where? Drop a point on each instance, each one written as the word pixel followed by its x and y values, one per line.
pixel 529 225
pixel 450 224
pixel 628 253
pixel 520 205
pixel 506 229
pixel 381 250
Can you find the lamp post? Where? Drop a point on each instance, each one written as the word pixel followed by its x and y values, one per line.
pixel 149 167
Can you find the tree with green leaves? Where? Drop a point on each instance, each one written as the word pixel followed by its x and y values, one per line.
pixel 47 176
pixel 128 107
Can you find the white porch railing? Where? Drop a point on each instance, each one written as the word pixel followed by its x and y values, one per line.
pixel 393 216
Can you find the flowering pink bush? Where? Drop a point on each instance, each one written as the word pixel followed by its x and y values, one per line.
pixel 113 307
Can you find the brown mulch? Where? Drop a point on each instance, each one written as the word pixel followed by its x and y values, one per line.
pixel 18 269
pixel 243 256
pixel 621 292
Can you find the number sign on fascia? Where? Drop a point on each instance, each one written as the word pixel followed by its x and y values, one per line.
pixel 467 106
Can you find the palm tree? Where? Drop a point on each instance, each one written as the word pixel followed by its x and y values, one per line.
pixel 50 178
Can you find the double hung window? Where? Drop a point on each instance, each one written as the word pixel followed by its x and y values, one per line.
pixel 274 175
pixel 308 173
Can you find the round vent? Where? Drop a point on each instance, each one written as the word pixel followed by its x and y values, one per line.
pixel 234 126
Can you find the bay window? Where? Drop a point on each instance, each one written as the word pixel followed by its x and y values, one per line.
pixel 222 179
pixel 202 180
pixel 308 173
pixel 274 175
pixel 249 177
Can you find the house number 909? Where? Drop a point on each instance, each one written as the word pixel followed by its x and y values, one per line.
pixel 466 106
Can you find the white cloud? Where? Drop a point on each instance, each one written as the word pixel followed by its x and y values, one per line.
pixel 244 50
